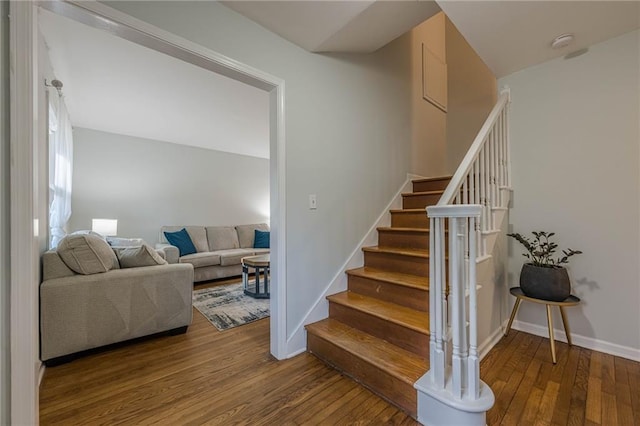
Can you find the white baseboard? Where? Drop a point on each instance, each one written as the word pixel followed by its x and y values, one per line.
pixel 493 339
pixel 298 352
pixel 578 340
pixel 41 373
pixel 297 341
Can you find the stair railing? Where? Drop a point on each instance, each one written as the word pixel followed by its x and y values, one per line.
pixel 485 172
pixel 468 204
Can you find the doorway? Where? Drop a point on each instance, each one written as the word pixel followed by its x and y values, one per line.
pixel 24 172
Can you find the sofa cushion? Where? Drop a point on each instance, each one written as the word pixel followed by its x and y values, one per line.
pixel 86 254
pixel 197 234
pixel 136 257
pixel 261 239
pixel 233 256
pixel 199 260
pixel 182 240
pixel 246 233
pixel 222 238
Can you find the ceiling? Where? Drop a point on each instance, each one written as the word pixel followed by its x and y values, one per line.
pixel 116 86
pixel 513 35
pixel 508 35
pixel 337 26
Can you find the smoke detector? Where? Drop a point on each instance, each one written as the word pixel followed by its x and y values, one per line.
pixel 562 41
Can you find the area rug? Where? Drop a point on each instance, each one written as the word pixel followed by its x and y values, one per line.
pixel 227 306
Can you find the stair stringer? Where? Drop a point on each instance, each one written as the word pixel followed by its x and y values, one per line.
pixel 297 340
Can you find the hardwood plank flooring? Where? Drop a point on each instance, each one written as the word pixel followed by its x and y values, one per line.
pixel 211 377
pixel 206 377
pixel 584 387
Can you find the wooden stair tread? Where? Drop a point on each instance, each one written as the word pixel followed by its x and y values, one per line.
pixel 409 211
pixel 398 278
pixel 399 229
pixel 399 251
pixel 432 179
pixel 402 364
pixel 400 315
pixel 418 194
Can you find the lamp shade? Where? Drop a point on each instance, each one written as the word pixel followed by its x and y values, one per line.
pixel 106 227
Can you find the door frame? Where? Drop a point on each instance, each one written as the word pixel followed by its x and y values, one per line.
pixel 25 258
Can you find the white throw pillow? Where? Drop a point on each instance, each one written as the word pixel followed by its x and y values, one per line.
pixel 135 257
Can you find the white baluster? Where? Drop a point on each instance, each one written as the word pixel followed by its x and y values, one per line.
pixel 492 178
pixel 508 143
pixel 439 357
pixel 461 255
pixel 476 168
pixel 433 296
pixel 483 191
pixel 496 145
pixel 505 149
pixel 443 293
pixel 465 191
pixel 500 162
pixel 454 291
pixel 472 185
pixel 473 370
pixel 485 212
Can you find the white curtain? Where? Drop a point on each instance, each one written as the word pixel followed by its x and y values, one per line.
pixel 60 168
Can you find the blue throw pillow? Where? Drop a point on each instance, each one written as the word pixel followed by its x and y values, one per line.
pixel 182 240
pixel 261 239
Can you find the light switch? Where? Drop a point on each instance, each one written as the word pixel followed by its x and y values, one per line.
pixel 313 202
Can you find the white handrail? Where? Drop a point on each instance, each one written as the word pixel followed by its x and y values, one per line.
pixel 474 151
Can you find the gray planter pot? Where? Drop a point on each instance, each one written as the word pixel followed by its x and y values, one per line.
pixel 545 283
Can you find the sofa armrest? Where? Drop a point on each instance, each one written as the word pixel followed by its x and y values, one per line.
pixel 171 253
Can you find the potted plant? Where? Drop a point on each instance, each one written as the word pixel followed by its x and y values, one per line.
pixel 544 277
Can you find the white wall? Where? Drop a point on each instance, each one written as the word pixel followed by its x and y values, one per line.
pixel 4 216
pixel 146 184
pixel 347 134
pixel 575 152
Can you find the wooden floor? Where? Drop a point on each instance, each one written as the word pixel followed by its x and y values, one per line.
pixel 207 377
pixel 212 377
pixel 584 388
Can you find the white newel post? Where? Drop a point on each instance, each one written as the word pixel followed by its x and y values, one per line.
pixel 451 392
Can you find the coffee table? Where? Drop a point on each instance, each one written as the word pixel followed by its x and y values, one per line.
pixel 259 264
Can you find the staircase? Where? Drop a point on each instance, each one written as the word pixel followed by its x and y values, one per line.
pixel 378 330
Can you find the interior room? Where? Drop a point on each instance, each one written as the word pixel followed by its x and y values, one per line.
pixel 155 147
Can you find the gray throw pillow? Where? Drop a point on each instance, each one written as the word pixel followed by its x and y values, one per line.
pixel 135 257
pixel 86 254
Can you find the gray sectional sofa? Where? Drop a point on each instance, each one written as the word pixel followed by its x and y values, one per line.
pixel 95 297
pixel 219 249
